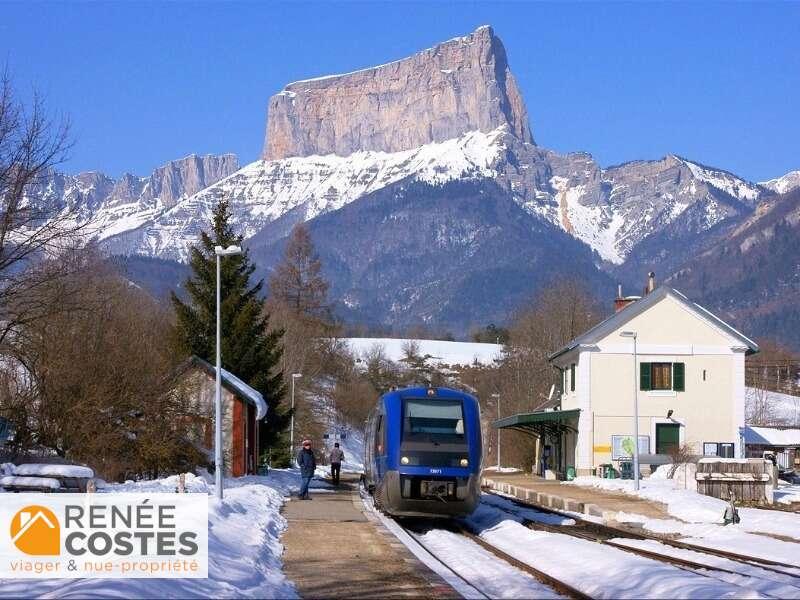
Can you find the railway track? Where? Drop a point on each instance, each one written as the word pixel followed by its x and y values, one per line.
pixel 455 527
pixel 414 529
pixel 606 534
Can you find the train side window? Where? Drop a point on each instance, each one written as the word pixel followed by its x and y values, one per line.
pixel 379 436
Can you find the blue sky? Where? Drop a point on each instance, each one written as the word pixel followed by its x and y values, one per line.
pixel 145 83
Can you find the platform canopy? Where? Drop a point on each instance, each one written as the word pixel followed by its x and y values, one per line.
pixel 552 422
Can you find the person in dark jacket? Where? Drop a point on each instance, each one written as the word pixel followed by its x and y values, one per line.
pixel 307 464
pixel 336 457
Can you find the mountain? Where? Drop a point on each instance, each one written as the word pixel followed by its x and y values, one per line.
pixel 753 273
pixel 438 94
pixel 420 133
pixel 111 208
pixel 454 255
pixel 783 184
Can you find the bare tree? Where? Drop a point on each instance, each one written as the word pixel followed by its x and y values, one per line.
pixel 32 143
pixel 297 282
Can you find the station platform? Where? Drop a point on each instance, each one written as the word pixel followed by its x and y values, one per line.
pixel 580 499
pixel 335 548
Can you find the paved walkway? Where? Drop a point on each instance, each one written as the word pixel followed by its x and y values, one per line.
pixel 334 549
pixel 588 500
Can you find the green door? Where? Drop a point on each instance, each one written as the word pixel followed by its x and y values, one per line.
pixel 668 435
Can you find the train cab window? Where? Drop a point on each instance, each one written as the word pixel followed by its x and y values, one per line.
pixel 433 417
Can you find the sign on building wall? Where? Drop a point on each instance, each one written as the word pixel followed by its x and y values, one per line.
pixel 622 446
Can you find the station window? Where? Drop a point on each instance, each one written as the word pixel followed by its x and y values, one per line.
pixel 572 378
pixel 662 376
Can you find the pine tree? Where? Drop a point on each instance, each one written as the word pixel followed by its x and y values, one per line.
pixel 249 348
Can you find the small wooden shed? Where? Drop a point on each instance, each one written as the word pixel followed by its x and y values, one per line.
pixel 242 408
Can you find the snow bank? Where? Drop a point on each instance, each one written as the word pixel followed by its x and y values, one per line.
pixel 442 352
pixel 243 543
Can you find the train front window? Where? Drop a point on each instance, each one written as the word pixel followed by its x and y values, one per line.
pixel 433 417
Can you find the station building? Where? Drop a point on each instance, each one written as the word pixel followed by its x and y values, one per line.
pixel 688 377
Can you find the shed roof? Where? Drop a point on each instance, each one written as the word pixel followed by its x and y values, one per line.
pixel 621 317
pixel 233 384
pixel 772 436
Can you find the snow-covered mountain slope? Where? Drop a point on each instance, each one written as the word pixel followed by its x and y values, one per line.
pixel 783 184
pixel 612 210
pixel 108 207
pixel 264 191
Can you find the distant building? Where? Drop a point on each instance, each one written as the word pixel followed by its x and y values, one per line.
pixel 688 377
pixel 781 442
pixel 242 408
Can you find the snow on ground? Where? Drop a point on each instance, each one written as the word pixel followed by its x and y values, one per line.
pixel 785 407
pixel 243 543
pixel 600 571
pixel 699 519
pixel 754 577
pixel 451 353
pixel 495 578
pixel 787 493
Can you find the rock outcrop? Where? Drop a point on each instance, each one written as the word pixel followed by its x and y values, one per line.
pixel 458 86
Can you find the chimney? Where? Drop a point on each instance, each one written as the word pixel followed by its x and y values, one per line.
pixel 651 282
pixel 621 301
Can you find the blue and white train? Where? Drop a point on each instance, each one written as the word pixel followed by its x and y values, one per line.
pixel 423 453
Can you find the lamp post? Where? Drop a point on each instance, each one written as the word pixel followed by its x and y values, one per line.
pixel 497 402
pixel 295 377
pixel 218 465
pixel 632 334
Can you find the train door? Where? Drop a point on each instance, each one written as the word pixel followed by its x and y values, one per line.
pixel 379 445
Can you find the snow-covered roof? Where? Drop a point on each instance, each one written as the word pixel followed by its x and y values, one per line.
pixel 636 308
pixel 234 385
pixel 772 436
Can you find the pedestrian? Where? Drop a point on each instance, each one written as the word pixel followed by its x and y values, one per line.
pixel 307 464
pixel 336 458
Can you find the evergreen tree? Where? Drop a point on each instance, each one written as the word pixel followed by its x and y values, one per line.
pixel 249 349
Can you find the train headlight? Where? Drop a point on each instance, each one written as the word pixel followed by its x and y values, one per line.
pixel 404 460
pixel 464 462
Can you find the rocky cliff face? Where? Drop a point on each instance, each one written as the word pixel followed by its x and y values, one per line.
pixel 438 94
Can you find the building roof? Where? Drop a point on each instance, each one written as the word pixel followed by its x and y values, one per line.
pixel 231 383
pixel 772 436
pixel 634 309
pixel 552 422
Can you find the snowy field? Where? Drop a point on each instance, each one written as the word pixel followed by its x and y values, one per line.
pixel 243 544
pixel 449 353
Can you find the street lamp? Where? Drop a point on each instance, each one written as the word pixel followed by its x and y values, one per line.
pixel 632 334
pixel 295 377
pixel 497 402
pixel 218 466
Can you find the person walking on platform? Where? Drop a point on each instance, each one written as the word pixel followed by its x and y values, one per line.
pixel 336 458
pixel 307 464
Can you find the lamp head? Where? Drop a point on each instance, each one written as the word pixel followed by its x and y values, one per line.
pixel 296 375
pixel 229 251
pixel 669 413
pixel 628 334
